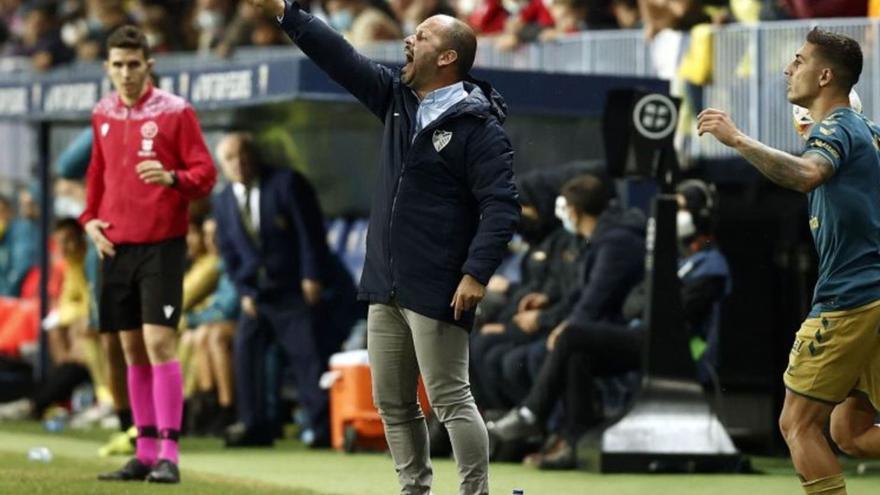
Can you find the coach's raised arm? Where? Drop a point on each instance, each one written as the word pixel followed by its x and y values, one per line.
pixel 368 81
pixel 444 208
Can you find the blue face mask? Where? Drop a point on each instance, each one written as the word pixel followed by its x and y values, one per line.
pixel 341 20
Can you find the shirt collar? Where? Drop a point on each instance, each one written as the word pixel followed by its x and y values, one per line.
pixel 238 188
pixel 440 95
pixel 241 188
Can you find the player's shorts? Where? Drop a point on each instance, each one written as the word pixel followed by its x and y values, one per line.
pixel 142 284
pixel 836 355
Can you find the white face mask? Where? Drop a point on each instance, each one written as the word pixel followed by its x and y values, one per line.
pixel 209 20
pixel 685 224
pixel 569 225
pixel 559 209
pixel 561 212
pixel 67 207
pixel 342 20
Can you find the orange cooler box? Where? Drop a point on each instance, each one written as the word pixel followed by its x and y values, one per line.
pixel 354 421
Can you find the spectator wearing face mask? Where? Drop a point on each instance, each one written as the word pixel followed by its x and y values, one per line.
pixel 411 13
pixel 41 40
pixel 160 27
pixel 537 304
pixel 210 20
pixel 363 22
pixel 89 35
pixel 589 348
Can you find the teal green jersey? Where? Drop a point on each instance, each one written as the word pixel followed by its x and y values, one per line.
pixel 845 212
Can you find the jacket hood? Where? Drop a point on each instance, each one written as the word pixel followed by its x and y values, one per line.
pixel 616 217
pixel 483 98
pixel 539 188
pixel 536 189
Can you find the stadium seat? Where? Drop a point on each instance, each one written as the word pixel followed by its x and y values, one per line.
pixel 19 324
pixel 30 286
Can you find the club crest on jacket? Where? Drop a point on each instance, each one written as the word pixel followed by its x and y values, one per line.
pixel 441 139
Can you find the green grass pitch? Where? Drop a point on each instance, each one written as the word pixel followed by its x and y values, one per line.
pixel 291 469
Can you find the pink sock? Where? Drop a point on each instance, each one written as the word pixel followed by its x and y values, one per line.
pixel 140 394
pixel 168 396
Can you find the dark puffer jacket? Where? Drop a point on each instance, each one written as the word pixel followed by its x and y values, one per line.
pixel 445 203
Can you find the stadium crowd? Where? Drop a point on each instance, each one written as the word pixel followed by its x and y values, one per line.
pixel 42 34
pixel 570 295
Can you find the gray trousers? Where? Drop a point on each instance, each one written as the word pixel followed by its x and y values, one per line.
pixel 401 344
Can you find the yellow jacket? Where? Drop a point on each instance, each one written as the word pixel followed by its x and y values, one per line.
pixel 200 281
pixel 73 303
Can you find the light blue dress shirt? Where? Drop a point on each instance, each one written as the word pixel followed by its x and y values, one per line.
pixel 435 103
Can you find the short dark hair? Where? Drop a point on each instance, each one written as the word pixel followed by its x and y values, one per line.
pixel 460 37
pixel 249 146
pixel 587 193
pixel 129 37
pixel 842 52
pixel 69 223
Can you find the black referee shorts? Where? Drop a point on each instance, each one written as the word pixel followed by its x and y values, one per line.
pixel 142 284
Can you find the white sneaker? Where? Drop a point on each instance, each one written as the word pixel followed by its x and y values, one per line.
pixel 91 416
pixel 109 422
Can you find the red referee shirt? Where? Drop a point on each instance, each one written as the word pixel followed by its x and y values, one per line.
pixel 162 127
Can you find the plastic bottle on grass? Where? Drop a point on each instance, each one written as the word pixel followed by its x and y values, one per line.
pixel 40 454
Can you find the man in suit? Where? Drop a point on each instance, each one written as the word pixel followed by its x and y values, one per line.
pixel 272 240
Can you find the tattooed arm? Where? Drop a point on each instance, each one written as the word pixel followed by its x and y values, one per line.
pixel 801 173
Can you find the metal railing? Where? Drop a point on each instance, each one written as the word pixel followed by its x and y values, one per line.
pixel 748 61
pixel 748 64
pixel 622 53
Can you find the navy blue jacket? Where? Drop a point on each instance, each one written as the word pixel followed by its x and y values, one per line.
pixel 292 243
pixel 614 263
pixel 438 212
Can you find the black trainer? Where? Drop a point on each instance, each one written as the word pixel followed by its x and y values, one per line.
pixel 134 470
pixel 164 472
